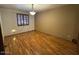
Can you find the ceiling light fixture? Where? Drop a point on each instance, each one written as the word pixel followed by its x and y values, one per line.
pixel 32 12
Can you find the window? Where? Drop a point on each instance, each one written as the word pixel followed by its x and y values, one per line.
pixel 22 19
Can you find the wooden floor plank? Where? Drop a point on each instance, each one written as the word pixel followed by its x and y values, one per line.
pixel 37 43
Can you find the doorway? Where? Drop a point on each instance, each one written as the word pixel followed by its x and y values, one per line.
pixel 1 43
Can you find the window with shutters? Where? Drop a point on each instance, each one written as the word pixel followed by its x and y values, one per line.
pixel 22 19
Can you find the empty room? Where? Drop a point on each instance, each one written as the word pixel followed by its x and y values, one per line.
pixel 39 29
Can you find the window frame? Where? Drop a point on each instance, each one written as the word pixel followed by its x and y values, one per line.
pixel 22 19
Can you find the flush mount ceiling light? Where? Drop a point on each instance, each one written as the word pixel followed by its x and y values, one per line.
pixel 32 12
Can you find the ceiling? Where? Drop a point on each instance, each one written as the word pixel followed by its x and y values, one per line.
pixel 28 7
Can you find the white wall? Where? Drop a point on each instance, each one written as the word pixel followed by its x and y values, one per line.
pixel 59 22
pixel 9 22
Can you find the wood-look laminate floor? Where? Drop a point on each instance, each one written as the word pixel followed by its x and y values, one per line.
pixel 37 43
